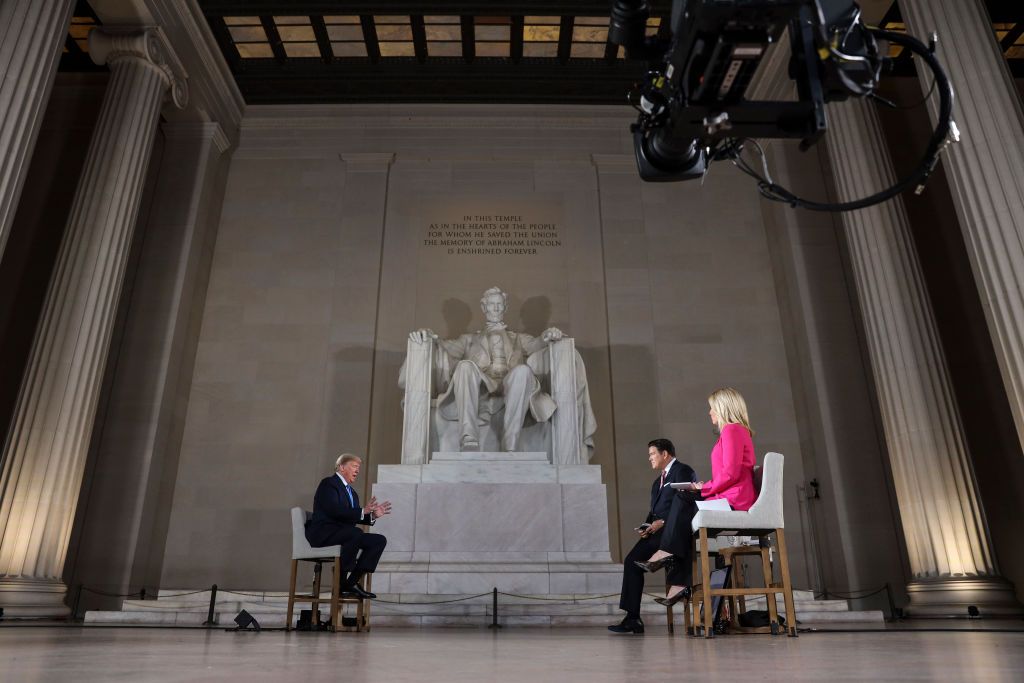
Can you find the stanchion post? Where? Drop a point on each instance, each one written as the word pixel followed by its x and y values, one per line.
pixel 78 599
pixel 142 593
pixel 213 601
pixel 494 609
pixel 892 603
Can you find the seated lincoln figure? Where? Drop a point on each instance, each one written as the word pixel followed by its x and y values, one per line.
pixel 495 362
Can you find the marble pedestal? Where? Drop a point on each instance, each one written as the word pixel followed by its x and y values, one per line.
pixel 466 523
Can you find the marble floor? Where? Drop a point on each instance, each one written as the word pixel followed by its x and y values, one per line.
pixel 526 654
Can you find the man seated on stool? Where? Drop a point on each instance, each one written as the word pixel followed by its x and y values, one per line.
pixel 336 512
pixel 662 456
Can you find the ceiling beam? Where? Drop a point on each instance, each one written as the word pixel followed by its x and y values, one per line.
pixel 370 37
pixel 515 46
pixel 565 38
pixel 274 37
pixel 225 42
pixel 448 7
pixel 468 37
pixel 323 40
pixel 1010 38
pixel 419 36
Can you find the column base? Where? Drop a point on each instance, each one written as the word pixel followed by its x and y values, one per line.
pixel 952 597
pixel 33 599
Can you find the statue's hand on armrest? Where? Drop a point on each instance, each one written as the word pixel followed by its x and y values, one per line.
pixel 421 336
pixel 552 334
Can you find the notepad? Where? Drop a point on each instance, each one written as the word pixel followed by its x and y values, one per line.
pixel 716 504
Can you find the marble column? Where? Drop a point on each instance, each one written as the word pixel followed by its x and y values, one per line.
pixel 44 456
pixel 128 488
pixel 32 33
pixel 943 521
pixel 985 171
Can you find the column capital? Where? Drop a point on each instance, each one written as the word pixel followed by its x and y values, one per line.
pixel 147 44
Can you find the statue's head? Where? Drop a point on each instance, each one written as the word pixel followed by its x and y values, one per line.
pixel 493 303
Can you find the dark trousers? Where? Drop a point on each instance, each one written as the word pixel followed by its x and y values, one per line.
pixel 633 576
pixel 677 537
pixel 360 550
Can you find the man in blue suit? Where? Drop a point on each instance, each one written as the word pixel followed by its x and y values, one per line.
pixel 662 456
pixel 336 514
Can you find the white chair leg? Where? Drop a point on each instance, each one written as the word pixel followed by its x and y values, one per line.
pixel 787 585
pixel 291 595
pixel 705 579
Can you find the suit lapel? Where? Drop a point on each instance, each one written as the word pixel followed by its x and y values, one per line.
pixel 339 485
pixel 658 492
pixel 344 496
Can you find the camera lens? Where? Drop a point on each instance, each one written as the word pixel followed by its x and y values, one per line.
pixel 628 23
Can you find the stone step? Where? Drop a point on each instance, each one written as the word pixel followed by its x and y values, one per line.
pixel 178 618
pixel 426 605
pixel 391 606
pixel 190 608
pixel 171 598
pixel 275 619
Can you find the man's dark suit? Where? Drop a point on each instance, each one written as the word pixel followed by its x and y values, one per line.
pixel 661 503
pixel 334 523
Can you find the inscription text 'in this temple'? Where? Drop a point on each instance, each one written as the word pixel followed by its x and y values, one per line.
pixel 492 235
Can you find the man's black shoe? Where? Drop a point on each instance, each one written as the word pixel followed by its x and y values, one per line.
pixel 628 625
pixel 357 591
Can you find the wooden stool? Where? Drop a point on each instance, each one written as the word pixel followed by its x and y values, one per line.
pixel 738 580
pixel 769 590
pixel 337 599
pixel 765 517
pixel 303 552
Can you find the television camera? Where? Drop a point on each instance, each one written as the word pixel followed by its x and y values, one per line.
pixel 692 105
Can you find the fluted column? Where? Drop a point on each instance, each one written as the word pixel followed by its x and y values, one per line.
pixel 32 34
pixel 943 522
pixel 44 457
pixel 985 171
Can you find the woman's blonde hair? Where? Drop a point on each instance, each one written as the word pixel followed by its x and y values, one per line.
pixel 730 407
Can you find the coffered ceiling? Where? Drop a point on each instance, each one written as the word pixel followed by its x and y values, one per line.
pixel 531 51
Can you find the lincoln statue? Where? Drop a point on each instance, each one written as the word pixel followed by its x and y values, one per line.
pixel 478 372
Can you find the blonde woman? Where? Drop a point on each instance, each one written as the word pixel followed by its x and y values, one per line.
pixel 732 479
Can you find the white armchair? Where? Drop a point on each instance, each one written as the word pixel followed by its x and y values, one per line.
pixel 764 518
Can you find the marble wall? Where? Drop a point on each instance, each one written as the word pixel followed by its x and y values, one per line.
pixel 320 271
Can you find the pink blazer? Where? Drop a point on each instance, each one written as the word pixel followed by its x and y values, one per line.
pixel 732 468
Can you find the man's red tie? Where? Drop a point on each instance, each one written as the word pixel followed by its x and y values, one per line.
pixel 662 479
